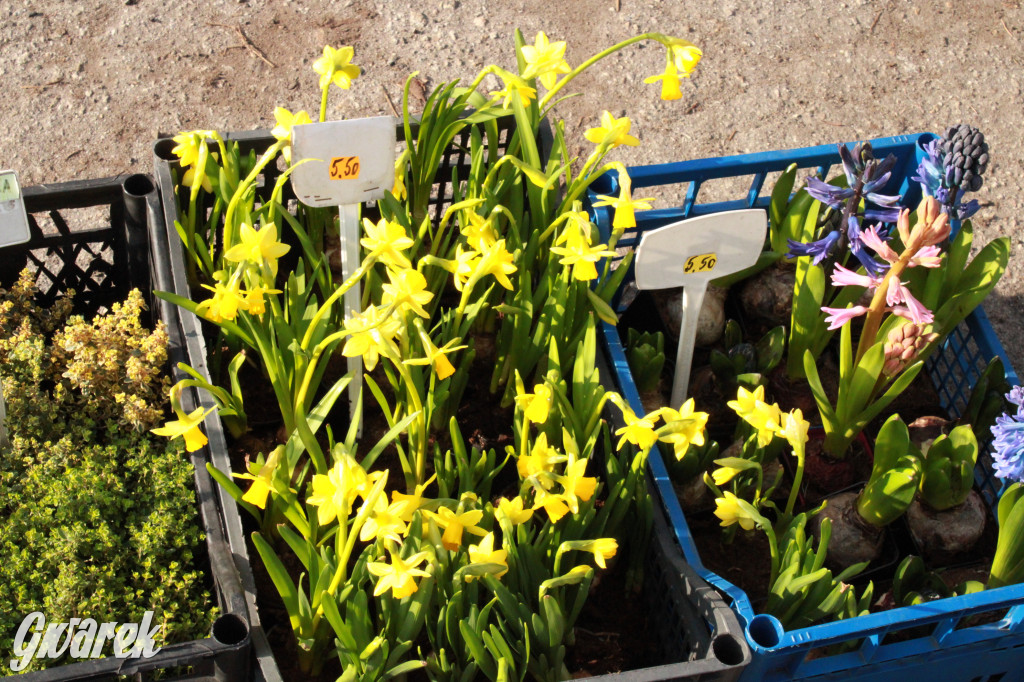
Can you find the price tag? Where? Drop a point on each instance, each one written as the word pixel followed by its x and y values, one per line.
pixel 709 247
pixel 344 168
pixel 13 219
pixel 705 262
pixel 343 162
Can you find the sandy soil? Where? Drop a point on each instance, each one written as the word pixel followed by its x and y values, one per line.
pixel 91 83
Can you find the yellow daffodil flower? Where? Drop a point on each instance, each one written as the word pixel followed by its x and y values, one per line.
pixel 385 524
pixel 612 132
pixel 537 405
pixel 335 66
pixel 187 149
pixel 371 335
pixel 577 486
pixel 464 265
pixel 455 524
pixel 625 207
pixel 257 246
pixel 542 458
pixel 254 299
pixel 513 510
pixel 545 60
pixel 794 428
pixel 750 407
pixel 410 503
pixel 723 475
pixel 602 549
pixel 261 476
pixel 479 232
pixel 688 427
pixel 669 82
pixel 582 257
pixel 443 367
pixel 399 189
pixel 498 262
pixel 407 289
pixel 189 178
pixel 334 493
pixel 387 240
pixel 399 576
pixel 639 432
pixel 515 87
pixel 186 426
pixel 728 509
pixel 286 120
pixel 484 553
pixel 553 503
pixel 225 303
pixel 684 55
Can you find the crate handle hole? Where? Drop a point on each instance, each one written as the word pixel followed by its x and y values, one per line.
pixel 230 629
pixel 727 649
pixel 162 149
pixel 765 630
pixel 138 185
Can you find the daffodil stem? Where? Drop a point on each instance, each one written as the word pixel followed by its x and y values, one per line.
pixel 243 189
pixel 799 451
pixel 338 293
pixel 323 103
pixel 590 62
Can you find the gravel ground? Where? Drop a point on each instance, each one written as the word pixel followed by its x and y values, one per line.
pixel 92 82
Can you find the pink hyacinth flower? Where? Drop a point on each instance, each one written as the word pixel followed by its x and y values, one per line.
pixel 914 309
pixel 870 238
pixel 839 316
pixel 927 257
pixel 842 277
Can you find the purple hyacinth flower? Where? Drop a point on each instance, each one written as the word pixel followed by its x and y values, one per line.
pixel 965 211
pixel 930 170
pixel 849 164
pixel 885 214
pixel 1008 446
pixel 871 266
pixel 1016 396
pixel 828 194
pixel 821 249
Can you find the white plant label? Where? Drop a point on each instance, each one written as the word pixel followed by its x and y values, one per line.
pixel 13 219
pixel 343 164
pixel 690 254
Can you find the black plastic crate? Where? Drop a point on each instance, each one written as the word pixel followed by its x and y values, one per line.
pixel 103 238
pixel 700 637
pixel 194 329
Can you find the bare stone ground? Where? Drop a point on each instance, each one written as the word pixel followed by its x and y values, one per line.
pixel 90 83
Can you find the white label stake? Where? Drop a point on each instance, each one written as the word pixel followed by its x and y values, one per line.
pixel 690 254
pixel 346 163
pixel 13 219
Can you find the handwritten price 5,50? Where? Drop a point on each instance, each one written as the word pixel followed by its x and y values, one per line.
pixel 702 263
pixel 344 168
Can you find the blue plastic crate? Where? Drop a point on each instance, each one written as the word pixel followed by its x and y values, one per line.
pixel 937 638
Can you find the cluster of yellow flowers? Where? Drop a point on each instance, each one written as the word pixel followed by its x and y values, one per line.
pixel 769 421
pixel 336 494
pixel 256 248
pixel 683 427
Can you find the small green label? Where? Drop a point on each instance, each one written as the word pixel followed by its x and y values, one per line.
pixel 9 190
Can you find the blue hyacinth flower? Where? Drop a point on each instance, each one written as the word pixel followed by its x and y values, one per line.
pixel 1008 432
pixel 820 250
